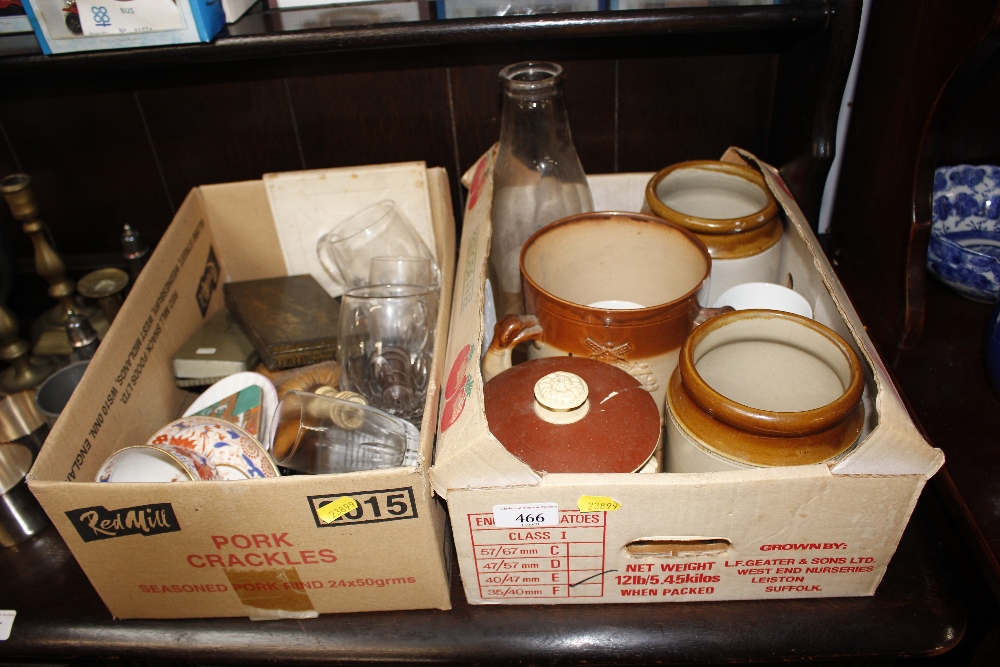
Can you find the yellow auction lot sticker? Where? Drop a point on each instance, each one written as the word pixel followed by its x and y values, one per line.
pixel 597 504
pixel 332 511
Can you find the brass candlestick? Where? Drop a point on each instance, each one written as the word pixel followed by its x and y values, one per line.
pixel 20 196
pixel 106 287
pixel 25 372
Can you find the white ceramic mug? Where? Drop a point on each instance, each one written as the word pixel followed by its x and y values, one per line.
pixel 764 296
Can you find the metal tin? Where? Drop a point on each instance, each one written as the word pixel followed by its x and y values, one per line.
pixel 21 516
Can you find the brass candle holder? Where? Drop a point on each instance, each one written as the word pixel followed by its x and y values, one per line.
pixel 105 286
pixel 25 371
pixel 20 196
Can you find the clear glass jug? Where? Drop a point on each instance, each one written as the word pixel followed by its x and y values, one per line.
pixel 538 176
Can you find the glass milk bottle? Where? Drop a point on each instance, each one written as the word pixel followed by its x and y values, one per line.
pixel 538 176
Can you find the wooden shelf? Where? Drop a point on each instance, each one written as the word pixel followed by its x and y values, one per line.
pixel 916 612
pixel 259 34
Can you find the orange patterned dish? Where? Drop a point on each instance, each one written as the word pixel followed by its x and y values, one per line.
pixel 235 453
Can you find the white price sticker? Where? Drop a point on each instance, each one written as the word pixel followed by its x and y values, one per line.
pixel 6 623
pixel 526 516
pixel 113 17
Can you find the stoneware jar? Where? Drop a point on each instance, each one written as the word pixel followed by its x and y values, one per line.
pixel 567 414
pixel 621 288
pixel 729 207
pixel 758 388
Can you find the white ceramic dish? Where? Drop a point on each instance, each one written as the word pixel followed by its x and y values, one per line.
pixel 233 384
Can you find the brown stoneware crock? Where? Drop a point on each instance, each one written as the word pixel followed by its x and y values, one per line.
pixel 762 388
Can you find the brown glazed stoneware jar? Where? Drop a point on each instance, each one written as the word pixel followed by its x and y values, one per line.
pixel 758 388
pixel 729 207
pixel 621 288
pixel 567 414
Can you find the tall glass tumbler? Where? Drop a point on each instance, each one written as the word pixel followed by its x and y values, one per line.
pixel 379 230
pixel 386 343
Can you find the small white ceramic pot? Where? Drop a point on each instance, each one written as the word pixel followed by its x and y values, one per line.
pixel 728 207
pixel 759 388
pixel 764 296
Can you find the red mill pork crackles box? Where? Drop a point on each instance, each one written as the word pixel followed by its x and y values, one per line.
pixel 820 530
pixel 262 548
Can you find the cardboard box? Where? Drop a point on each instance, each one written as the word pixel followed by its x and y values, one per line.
pixel 803 531
pixel 254 548
pixel 95 25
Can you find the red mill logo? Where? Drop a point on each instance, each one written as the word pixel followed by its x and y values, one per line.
pixel 98 523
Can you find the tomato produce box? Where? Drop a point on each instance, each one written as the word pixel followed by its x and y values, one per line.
pixel 820 530
pixel 258 547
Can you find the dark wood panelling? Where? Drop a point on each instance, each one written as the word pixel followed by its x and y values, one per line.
pixel 477 101
pixel 971 133
pixel 591 100
pixel 8 165
pixel 639 97
pixel 90 160
pixel 808 93
pixel 371 109
pixel 680 108
pixel 881 218
pixel 589 90
pixel 230 123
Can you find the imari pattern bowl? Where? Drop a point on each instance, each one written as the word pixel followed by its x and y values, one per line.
pixel 235 454
pixel 964 248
